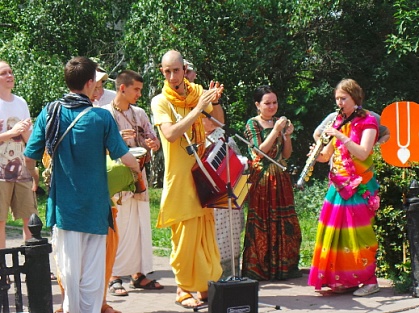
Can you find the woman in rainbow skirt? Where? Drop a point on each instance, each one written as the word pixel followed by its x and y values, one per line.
pixel 345 251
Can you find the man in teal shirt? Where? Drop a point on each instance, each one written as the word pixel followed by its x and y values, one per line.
pixel 78 203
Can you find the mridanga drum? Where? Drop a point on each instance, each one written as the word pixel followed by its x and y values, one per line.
pixel 140 154
pixel 120 177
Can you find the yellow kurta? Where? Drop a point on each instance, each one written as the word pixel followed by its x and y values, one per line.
pixel 180 200
pixel 195 258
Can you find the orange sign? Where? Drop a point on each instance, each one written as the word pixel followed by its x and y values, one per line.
pixel 403 146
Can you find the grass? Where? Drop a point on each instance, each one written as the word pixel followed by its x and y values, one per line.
pixel 307 203
pixel 161 236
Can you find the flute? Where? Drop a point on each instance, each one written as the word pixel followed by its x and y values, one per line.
pixel 320 143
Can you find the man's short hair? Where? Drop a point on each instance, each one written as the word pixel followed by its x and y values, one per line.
pixel 188 65
pixel 127 77
pixel 78 71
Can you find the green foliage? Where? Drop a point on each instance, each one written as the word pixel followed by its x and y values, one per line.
pixel 69 28
pixel 39 37
pixel 228 39
pixel 309 201
pixel 301 48
pixel 9 13
pixel 404 282
pixel 35 89
pixel 405 39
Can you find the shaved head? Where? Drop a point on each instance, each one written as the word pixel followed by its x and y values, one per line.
pixel 171 57
pixel 173 70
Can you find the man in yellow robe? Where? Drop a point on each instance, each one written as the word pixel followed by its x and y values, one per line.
pixel 195 258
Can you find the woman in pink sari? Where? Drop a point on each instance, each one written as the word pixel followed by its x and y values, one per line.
pixel 345 251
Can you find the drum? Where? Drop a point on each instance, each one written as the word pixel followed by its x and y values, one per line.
pixel 140 153
pixel 120 177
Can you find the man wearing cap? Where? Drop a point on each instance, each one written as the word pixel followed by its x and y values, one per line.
pixel 101 95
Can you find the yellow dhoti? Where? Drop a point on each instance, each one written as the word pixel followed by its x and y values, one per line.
pixel 195 258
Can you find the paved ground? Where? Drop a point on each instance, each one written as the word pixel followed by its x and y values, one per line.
pixel 291 295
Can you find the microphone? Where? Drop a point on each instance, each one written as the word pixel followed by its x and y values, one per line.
pixel 209 116
pixel 206 114
pixel 177 87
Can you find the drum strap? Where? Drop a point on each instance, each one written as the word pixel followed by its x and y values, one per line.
pixel 133 125
pixel 72 124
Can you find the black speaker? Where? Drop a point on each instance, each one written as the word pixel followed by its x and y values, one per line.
pixel 233 296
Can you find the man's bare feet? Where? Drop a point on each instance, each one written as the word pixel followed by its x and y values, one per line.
pixel 203 295
pixel 106 308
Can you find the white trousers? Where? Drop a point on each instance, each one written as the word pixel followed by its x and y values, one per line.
pixel 135 248
pixel 81 263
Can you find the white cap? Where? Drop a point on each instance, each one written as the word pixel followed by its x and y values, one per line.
pixel 101 76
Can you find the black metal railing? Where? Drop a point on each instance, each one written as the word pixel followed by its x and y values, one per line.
pixel 36 266
pixel 5 273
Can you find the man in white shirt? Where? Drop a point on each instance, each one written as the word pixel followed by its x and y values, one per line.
pixel 16 187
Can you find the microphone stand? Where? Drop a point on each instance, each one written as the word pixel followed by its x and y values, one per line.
pixel 253 147
pixel 230 195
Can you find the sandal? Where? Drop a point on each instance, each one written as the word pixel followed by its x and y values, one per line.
pixel 116 285
pixel 366 290
pixel 187 296
pixel 151 285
